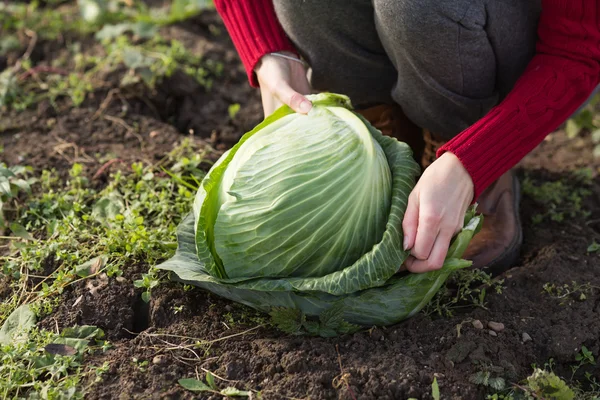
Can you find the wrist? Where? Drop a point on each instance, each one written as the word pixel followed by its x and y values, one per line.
pixel 280 56
pixel 457 167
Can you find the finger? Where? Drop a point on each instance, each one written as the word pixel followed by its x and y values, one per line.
pixel 437 256
pixel 427 231
pixel 410 222
pixel 408 263
pixel 289 96
pixel 270 103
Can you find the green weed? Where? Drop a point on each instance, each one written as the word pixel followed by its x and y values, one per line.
pixel 74 232
pixel 130 48
pixel 465 289
pixel 14 181
pixel 544 383
pixel 198 385
pixel 566 293
pixel 587 120
pixel 50 366
pixel 584 357
pixel 561 199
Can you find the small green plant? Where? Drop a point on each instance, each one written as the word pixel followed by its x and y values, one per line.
pixel 586 120
pixel 465 288
pixel 233 110
pixel 130 42
pixel 13 181
pixel 594 247
pixel 435 390
pixel 43 363
pixel 177 309
pixel 487 378
pixel 559 199
pixel 142 365
pixel 87 233
pixel 148 282
pixel 197 385
pixel 584 357
pixel 568 292
pixel 544 383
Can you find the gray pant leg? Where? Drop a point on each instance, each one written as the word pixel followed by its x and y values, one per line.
pixel 339 41
pixel 451 60
pixel 455 59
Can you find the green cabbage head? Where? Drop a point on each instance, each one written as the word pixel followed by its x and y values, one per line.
pixel 303 219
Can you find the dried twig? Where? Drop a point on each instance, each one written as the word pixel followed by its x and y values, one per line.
pixel 105 167
pixel 106 102
pixel 28 51
pixel 42 68
pixel 342 378
pixel 201 341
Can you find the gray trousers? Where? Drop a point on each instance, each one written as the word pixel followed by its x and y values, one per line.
pixel 445 62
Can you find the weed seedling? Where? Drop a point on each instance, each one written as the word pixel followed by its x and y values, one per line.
pixel 584 357
pixel 465 288
pixel 560 199
pixel 568 292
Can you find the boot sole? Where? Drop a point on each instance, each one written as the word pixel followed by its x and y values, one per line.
pixel 509 258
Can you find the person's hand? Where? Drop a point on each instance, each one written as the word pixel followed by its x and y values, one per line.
pixel 282 81
pixel 435 212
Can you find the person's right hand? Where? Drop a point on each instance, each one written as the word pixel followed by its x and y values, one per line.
pixel 282 81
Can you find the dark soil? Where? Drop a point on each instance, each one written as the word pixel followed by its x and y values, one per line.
pixel 396 362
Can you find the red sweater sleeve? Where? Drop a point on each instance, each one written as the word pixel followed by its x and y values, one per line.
pixel 557 81
pixel 254 29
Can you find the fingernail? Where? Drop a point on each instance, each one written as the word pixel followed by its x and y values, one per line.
pixel 305 106
pixel 405 243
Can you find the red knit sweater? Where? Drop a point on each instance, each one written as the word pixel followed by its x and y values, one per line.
pixel 556 82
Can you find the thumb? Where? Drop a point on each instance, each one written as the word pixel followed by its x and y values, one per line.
pixel 284 92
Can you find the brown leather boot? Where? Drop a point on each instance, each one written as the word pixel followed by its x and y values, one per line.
pixel 496 247
pixel 391 121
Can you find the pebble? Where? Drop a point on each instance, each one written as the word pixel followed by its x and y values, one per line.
pixel 477 324
pixel 526 338
pixel 496 326
pixel 159 360
pixel 493 333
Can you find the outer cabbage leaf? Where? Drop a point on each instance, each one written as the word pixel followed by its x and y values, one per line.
pixel 372 269
pixel 399 298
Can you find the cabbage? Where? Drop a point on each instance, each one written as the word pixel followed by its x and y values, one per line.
pixel 302 219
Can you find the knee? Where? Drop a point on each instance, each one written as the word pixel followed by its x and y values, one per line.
pixel 419 22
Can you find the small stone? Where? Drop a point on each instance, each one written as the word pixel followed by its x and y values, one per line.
pixel 477 324
pixel 493 333
pixel 159 360
pixel 496 326
pixel 526 338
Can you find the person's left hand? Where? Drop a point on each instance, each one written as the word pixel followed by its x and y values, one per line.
pixel 435 212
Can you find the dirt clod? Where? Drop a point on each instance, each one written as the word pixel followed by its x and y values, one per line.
pixel 159 360
pixel 526 338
